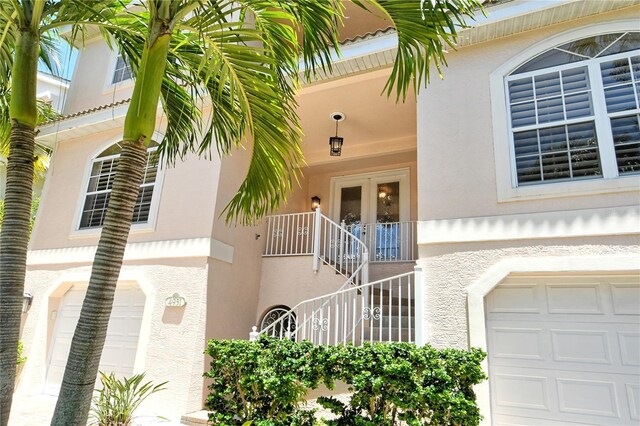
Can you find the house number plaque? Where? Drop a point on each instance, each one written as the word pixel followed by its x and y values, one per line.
pixel 175 301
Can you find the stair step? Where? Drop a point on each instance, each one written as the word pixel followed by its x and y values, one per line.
pixel 377 334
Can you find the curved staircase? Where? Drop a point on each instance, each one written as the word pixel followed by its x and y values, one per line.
pixel 359 311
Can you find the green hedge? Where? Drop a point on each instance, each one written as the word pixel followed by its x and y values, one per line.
pixel 263 383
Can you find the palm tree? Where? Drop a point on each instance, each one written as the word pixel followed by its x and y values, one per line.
pixel 238 58
pixel 26 30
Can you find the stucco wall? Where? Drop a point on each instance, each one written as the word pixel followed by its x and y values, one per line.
pixel 455 135
pixel 186 203
pixel 91 82
pixel 449 269
pixel 233 287
pixel 298 283
pixel 171 339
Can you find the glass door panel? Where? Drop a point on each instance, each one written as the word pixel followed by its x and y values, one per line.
pixel 387 242
pixel 351 205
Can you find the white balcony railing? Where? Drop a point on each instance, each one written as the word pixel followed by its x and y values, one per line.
pixel 290 234
pixel 295 234
pixel 388 242
pixel 381 311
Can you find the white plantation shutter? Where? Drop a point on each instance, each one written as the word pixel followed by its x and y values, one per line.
pixel 554 122
pixel 101 182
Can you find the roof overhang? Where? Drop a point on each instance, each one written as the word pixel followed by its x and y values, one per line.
pixel 377 50
pixel 83 124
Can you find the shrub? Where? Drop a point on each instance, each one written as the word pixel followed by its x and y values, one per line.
pixel 264 382
pixel 21 357
pixel 114 404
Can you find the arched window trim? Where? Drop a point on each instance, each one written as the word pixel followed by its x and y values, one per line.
pixel 506 178
pixel 148 226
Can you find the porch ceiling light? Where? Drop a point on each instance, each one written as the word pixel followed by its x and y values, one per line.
pixel 335 142
pixel 315 202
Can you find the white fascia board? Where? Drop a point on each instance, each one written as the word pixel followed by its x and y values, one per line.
pixel 52 80
pixel 513 9
pixel 363 48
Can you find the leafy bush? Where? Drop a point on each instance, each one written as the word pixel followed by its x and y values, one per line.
pixel 263 383
pixel 21 357
pixel 114 404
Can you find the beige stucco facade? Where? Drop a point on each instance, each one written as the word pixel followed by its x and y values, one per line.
pixel 471 236
pixel 447 140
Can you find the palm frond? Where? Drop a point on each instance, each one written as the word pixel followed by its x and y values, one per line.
pixel 425 29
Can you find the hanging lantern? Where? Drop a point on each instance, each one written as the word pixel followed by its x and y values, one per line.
pixel 335 142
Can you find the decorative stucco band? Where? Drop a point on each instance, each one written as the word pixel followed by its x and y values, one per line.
pixel 555 224
pixel 172 249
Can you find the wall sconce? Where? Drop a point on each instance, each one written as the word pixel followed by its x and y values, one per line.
pixel 315 202
pixel 335 142
pixel 27 300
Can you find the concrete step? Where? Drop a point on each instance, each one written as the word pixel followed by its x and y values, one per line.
pixel 383 334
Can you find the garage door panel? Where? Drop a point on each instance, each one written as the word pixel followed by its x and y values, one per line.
pixel 629 342
pixel 521 391
pixel 118 355
pixel 633 397
pixel 544 317
pixel 514 299
pixel 568 355
pixel 517 343
pixel 544 394
pixel 625 299
pixel 506 420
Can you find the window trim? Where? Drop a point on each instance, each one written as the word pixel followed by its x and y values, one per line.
pixel 504 155
pixel 109 85
pixel 149 226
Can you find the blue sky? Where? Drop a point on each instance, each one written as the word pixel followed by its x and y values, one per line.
pixel 67 61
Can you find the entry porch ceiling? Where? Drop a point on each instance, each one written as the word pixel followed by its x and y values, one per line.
pixel 375 125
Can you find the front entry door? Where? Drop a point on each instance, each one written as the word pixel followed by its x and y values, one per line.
pixel 372 206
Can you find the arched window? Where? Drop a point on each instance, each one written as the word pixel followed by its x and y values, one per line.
pixel 574 111
pixel 279 322
pixel 100 183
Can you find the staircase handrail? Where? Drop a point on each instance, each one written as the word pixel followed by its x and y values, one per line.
pixel 325 300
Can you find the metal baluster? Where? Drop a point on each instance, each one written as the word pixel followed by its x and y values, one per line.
pixel 390 307
pixel 400 308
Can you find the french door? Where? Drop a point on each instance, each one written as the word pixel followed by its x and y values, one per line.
pixel 372 206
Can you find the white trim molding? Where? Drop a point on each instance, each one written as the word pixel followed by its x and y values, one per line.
pixel 169 249
pixel 556 224
pixel 477 291
pixel 141 227
pixel 506 189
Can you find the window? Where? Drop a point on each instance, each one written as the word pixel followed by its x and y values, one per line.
pixel 122 70
pixel 100 184
pixel 574 111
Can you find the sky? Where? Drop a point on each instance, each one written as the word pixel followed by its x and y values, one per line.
pixel 67 61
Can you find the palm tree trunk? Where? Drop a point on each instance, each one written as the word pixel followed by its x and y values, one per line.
pixel 81 371
pixel 88 340
pixel 14 237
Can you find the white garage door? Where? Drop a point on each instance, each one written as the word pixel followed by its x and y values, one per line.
pixel 119 352
pixel 565 350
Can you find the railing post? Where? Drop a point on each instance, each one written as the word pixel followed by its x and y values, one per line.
pixel 253 336
pixel 419 299
pixel 365 268
pixel 343 227
pixel 316 239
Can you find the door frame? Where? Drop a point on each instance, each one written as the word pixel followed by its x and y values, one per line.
pixel 369 182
